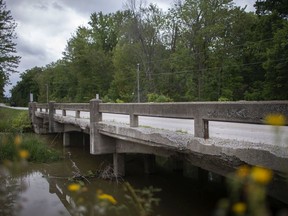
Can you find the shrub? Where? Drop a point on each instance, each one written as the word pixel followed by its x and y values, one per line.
pixel 153 97
pixel 21 123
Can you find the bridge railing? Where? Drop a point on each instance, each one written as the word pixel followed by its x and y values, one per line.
pixel 201 112
pixel 77 107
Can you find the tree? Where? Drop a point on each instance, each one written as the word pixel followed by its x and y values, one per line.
pixel 8 60
pixel 28 84
pixel 266 7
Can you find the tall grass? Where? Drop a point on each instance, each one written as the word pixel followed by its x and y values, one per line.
pixel 12 140
pixel 39 152
pixel 14 120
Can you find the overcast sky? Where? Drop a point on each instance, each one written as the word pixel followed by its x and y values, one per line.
pixel 44 26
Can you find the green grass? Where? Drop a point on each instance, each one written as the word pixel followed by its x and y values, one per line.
pixel 12 144
pixel 14 120
pixel 12 125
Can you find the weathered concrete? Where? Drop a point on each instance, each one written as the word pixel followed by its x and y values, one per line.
pixel 66 139
pixel 99 144
pixel 119 164
pixel 216 154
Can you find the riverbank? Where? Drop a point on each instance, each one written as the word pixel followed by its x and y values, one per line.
pixel 16 144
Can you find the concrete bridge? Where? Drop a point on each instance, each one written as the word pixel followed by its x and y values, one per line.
pixel 217 154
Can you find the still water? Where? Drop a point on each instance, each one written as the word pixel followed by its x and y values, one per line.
pixel 41 189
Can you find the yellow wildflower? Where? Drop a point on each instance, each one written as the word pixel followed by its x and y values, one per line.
pixel 24 154
pixel 275 119
pixel 243 171
pixel 74 187
pixel 261 175
pixel 107 197
pixel 239 208
pixel 17 140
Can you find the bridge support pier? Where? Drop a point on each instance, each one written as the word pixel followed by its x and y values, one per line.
pixel 66 139
pixel 119 164
pixel 149 164
pixel 195 173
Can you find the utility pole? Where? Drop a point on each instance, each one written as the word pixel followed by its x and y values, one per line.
pixel 47 93
pixel 138 82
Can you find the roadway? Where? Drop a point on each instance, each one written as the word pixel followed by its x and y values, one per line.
pixel 255 133
pixel 262 134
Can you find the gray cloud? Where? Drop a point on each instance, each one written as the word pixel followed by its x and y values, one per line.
pixel 27 48
pixel 89 6
pixel 57 6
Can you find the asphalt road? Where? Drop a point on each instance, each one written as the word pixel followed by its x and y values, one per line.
pixel 254 133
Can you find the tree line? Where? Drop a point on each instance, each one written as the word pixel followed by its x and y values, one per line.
pixel 198 50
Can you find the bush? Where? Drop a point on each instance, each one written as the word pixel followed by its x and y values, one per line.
pixel 14 120
pixel 21 123
pixel 153 97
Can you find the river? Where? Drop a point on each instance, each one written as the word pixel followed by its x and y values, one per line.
pixel 41 189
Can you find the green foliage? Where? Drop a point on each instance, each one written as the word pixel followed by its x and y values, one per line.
pixel 8 59
pixel 196 51
pixel 12 144
pixel 38 149
pixel 153 97
pixel 28 84
pixel 21 122
pixel 13 120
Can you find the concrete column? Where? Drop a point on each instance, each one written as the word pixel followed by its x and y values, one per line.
pixel 98 143
pixel 119 164
pixel 134 122
pixel 63 112
pixel 201 128
pixel 203 175
pixel 83 139
pixel 51 116
pixel 32 110
pixel 77 114
pixel 66 139
pixel 149 164
pixel 191 171
pixel 178 165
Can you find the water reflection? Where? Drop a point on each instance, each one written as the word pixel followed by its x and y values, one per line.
pixel 38 199
pixel 41 189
